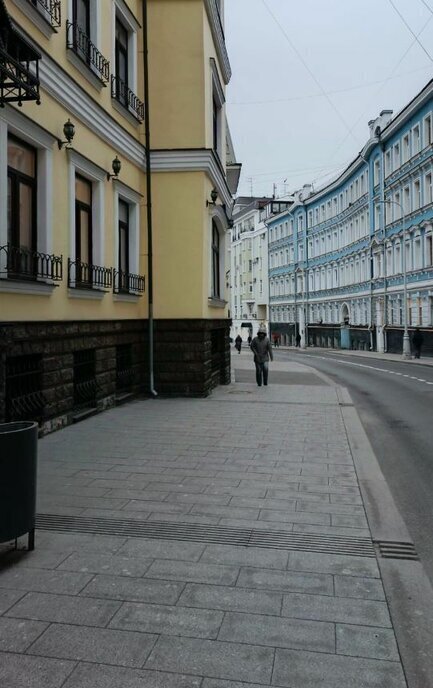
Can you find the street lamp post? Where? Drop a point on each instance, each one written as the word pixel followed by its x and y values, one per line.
pixel 406 340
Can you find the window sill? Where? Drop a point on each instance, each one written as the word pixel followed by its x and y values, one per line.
pixel 85 70
pixel 131 298
pixel 214 302
pixel 37 17
pixel 80 293
pixel 127 114
pixel 15 286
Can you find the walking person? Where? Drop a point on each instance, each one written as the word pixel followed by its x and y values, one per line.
pixel 417 340
pixel 238 343
pixel 298 340
pixel 262 350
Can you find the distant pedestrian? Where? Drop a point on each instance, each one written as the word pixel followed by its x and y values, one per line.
pixel 298 340
pixel 418 341
pixel 238 343
pixel 250 339
pixel 262 350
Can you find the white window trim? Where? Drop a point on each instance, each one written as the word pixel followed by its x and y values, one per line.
pixel 133 199
pixel 13 122
pixel 87 169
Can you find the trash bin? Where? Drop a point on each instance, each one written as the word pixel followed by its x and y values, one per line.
pixel 18 464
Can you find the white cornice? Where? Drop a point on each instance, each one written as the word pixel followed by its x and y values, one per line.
pixel 219 40
pixel 407 112
pixel 193 160
pixel 79 105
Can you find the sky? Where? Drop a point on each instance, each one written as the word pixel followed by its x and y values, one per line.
pixel 308 76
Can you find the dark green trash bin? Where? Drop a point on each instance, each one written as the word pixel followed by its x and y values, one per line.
pixel 18 465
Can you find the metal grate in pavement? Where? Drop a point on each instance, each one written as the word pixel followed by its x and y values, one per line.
pixel 210 534
pixel 391 549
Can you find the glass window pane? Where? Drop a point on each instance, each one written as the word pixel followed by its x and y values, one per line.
pixel 123 211
pixel 84 236
pixel 123 248
pixel 21 158
pixel 83 190
pixel 25 201
pixel 9 210
pixel 121 35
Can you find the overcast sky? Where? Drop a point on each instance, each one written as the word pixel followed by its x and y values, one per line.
pixel 307 77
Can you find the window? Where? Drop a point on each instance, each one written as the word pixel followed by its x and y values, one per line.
pixel 416 140
pixel 376 171
pixel 215 261
pixel 428 196
pixel 427 130
pixel 83 229
pixel 21 206
pixel 406 148
pixel 388 165
pixel 416 194
pixel 217 111
pixel 121 63
pixel 123 258
pixel 396 156
pixel 406 200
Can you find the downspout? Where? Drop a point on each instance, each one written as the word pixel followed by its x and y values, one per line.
pixel 152 390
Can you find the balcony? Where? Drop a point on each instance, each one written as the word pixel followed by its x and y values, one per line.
pixel 126 97
pixel 50 10
pixel 23 264
pixel 82 46
pixel 19 65
pixel 87 276
pixel 127 283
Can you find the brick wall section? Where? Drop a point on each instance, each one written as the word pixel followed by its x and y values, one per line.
pixel 191 357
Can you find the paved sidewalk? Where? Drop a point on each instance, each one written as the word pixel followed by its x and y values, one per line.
pixel 253 565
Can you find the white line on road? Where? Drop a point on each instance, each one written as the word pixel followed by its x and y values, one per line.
pixel 370 367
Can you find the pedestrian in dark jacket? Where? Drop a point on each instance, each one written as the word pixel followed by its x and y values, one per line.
pixel 298 340
pixel 262 350
pixel 238 343
pixel 417 340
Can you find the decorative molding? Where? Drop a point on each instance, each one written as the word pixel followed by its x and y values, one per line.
pixel 79 104
pixel 219 40
pixel 90 294
pixel 193 160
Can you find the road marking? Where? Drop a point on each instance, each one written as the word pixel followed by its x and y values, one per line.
pixel 370 367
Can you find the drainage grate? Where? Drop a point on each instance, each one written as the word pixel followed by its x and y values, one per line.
pixel 245 537
pixel 391 549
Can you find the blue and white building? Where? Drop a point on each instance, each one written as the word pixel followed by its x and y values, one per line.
pixel 336 261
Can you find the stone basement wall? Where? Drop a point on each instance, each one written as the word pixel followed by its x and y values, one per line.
pixel 191 358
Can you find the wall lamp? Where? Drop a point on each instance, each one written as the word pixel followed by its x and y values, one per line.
pixel 116 166
pixel 68 133
pixel 213 196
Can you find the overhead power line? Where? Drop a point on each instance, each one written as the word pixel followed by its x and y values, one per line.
pixel 313 76
pixel 329 93
pixel 409 29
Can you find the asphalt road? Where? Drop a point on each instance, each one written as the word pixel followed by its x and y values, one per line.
pixel 395 403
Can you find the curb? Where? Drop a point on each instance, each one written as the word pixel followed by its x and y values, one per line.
pixel 408 591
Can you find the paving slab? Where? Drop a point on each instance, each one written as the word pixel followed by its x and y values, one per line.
pixel 133 589
pixel 21 671
pixel 295 669
pixel 342 564
pixel 115 565
pixel 17 636
pixel 38 580
pixel 231 599
pixel 195 572
pixel 148 618
pixel 212 658
pixel 100 645
pixel 268 579
pixel 360 641
pixel 103 676
pixel 64 609
pixel 259 629
pixel 245 556
pixel 344 610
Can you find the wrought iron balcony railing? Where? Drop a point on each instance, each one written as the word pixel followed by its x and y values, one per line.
pixel 80 43
pixel 17 80
pixel 126 283
pixel 20 263
pixel 87 276
pixel 50 10
pixel 126 97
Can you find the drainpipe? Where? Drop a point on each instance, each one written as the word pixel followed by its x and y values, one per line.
pixel 152 390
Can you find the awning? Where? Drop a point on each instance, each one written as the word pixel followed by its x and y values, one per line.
pixel 19 64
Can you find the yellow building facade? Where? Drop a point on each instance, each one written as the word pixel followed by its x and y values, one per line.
pixel 102 293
